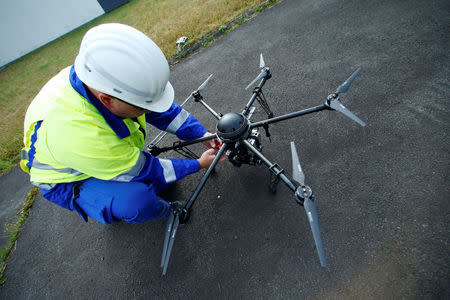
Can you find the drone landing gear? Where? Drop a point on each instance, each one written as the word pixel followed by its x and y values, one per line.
pixel 273 183
pixel 262 101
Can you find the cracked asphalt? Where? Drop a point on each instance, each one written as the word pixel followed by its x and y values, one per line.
pixel 382 190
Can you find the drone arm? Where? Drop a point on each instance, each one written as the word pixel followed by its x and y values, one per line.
pixel 161 135
pixel 289 116
pixel 217 115
pixel 199 98
pixel 256 90
pixel 179 145
pixel 205 177
pixel 158 138
pixel 274 168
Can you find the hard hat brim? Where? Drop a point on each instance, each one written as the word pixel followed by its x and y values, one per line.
pixel 164 102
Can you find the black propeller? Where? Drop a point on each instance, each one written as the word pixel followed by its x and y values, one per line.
pixel 334 103
pixel 346 85
pixel 263 73
pixel 162 134
pixel 204 84
pixel 304 193
pixel 171 230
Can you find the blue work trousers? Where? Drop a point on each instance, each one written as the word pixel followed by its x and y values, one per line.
pixel 113 201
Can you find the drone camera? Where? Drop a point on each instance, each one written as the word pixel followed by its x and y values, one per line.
pixel 239 154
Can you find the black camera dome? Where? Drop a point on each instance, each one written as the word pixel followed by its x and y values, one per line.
pixel 231 126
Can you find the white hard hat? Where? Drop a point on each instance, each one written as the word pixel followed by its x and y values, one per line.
pixel 123 62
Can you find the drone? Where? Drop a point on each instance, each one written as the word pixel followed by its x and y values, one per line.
pixel 241 143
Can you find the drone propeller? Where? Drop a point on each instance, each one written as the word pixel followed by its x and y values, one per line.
pixel 261 75
pixel 261 61
pixel 346 85
pixel 162 134
pixel 171 230
pixel 181 211
pixel 166 239
pixel 305 193
pixel 311 212
pixel 204 84
pixel 297 172
pixel 335 104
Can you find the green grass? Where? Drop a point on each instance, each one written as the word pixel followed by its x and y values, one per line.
pixel 207 41
pixel 163 21
pixel 223 28
pixel 13 230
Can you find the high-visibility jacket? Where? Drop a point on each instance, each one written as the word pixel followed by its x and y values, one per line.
pixel 70 136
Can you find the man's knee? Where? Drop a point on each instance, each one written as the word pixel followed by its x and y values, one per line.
pixel 139 204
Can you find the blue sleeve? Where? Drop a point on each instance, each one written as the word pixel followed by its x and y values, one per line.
pixel 161 171
pixel 177 121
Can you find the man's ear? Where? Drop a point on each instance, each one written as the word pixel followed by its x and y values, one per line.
pixel 106 100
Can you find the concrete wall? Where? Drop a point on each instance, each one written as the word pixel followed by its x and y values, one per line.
pixel 26 25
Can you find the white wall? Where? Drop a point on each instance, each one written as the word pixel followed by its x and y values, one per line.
pixel 28 24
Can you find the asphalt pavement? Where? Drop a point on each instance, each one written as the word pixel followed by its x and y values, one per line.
pixel 382 190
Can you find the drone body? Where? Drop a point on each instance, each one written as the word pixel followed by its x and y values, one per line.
pixel 242 145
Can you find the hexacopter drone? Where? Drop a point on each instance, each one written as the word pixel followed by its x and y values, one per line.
pixel 242 145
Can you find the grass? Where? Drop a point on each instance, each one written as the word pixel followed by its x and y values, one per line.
pixel 13 230
pixel 163 21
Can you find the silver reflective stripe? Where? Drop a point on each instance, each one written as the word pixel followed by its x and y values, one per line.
pixel 24 155
pixel 133 172
pixel 38 165
pixel 178 121
pixel 168 170
pixel 45 186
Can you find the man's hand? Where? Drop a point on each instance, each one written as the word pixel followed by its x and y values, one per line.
pixel 207 158
pixel 212 143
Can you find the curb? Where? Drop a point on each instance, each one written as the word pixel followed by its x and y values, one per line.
pixel 223 29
